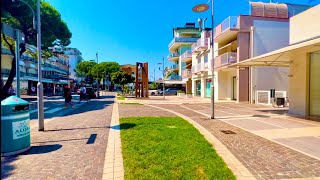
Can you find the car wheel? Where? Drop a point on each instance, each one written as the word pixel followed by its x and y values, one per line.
pixel 153 94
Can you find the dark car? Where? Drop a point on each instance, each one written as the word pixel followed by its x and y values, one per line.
pixel 91 92
pixel 170 91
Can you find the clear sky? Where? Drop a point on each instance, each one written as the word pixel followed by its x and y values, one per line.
pixel 127 31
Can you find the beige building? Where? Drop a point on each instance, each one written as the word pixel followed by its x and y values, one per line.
pixel 302 56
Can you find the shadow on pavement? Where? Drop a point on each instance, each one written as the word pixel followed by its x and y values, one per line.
pixel 6 166
pixel 275 111
pixel 42 149
pixel 70 129
pixel 63 140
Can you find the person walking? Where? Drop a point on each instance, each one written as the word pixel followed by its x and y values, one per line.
pixel 11 91
pixel 67 97
pixel 83 94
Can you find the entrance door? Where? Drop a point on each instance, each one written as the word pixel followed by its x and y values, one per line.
pixel 208 88
pixel 198 88
pixel 315 84
pixel 234 88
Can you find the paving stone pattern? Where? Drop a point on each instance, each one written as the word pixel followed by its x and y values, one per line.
pixel 62 152
pixel 133 110
pixel 263 158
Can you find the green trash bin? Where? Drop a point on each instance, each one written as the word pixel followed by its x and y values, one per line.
pixel 15 128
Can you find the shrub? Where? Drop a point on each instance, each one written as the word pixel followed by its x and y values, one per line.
pixel 189 93
pixel 180 91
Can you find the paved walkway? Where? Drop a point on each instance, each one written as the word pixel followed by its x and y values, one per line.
pixel 263 158
pixel 72 147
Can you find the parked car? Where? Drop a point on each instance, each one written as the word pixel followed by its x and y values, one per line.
pixel 90 92
pixel 153 92
pixel 170 91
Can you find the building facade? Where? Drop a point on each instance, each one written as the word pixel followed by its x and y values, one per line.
pixel 74 58
pixel 265 29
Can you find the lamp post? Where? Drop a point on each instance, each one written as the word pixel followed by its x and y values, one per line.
pixel 39 85
pixel 163 85
pixel 97 77
pixel 203 8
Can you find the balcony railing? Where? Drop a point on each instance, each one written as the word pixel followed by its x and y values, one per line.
pixel 187 73
pixel 173 67
pixel 186 56
pixel 201 45
pixel 229 23
pixel 183 40
pixel 225 59
pixel 174 78
pixel 201 67
pixel 173 56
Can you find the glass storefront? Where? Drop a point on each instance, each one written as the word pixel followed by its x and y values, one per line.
pixel 198 88
pixel 314 84
pixel 208 88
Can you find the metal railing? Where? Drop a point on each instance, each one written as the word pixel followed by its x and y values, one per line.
pixel 185 55
pixel 186 73
pixel 200 67
pixel 173 55
pixel 226 59
pixel 175 77
pixel 230 23
pixel 183 40
pixel 201 45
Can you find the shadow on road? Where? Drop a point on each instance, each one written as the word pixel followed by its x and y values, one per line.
pixel 6 166
pixel 42 149
pixel 123 126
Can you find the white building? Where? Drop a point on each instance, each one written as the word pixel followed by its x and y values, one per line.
pixel 74 57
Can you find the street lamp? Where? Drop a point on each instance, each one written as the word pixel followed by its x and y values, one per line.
pixel 203 8
pixel 164 89
pixel 97 77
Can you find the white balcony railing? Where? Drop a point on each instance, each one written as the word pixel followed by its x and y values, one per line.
pixel 186 56
pixel 202 44
pixel 201 67
pixel 230 23
pixel 225 59
pixel 173 55
pixel 183 40
pixel 187 73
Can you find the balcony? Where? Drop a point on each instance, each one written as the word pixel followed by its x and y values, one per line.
pixel 174 78
pixel 225 59
pixel 178 41
pixel 227 30
pixel 186 56
pixel 201 67
pixel 173 57
pixel 187 73
pixel 201 45
pixel 173 68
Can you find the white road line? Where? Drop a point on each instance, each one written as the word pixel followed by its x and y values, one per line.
pixel 54 110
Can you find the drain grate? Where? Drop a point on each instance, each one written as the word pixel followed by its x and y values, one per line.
pixel 228 132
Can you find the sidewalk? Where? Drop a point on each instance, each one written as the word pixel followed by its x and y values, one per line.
pixel 71 147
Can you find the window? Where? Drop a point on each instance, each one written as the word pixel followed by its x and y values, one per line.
pixel 199 60
pixel 206 58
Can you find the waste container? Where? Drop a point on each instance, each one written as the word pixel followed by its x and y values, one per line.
pixel 15 128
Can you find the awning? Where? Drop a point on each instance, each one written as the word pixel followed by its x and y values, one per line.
pixel 281 57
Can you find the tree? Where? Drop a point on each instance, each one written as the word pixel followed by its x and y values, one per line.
pixel 153 86
pixel 84 68
pixel 19 16
pixel 122 78
pixel 99 71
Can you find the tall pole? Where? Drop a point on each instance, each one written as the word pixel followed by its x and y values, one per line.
pixel 39 85
pixel 212 59
pixel 97 77
pixel 17 34
pixel 164 89
pixel 154 75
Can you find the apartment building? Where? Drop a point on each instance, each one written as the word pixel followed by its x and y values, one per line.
pixel 265 29
pixel 74 58
pixel 302 56
pixel 181 56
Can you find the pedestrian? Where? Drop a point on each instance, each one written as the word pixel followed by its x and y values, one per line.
pixel 11 91
pixel 67 97
pixel 83 94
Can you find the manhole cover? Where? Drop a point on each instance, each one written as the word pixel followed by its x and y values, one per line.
pixel 228 132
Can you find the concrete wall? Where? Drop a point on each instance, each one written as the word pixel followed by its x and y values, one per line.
pixel 305 25
pixel 225 87
pixel 298 85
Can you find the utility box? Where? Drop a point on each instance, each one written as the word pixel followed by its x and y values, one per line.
pixel 15 128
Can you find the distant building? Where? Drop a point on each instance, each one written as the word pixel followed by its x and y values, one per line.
pixel 74 57
pixel 129 69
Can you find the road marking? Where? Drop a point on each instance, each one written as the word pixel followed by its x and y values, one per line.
pixel 54 110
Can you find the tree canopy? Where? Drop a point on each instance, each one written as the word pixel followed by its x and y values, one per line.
pixel 18 15
pixel 85 67
pixel 99 71
pixel 122 78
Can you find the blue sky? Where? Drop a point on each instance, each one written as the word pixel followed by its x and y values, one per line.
pixel 128 31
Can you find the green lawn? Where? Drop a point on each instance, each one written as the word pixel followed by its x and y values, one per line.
pixel 168 148
pixel 131 103
pixel 121 98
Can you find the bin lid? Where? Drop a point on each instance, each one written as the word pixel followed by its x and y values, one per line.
pixel 13 100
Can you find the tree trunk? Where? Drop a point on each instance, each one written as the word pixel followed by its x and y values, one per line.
pixel 12 74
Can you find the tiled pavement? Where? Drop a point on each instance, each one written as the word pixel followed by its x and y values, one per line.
pixel 65 150
pixel 263 158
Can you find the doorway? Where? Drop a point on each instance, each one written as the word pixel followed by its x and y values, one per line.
pixel 234 88
pixel 198 88
pixel 314 84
